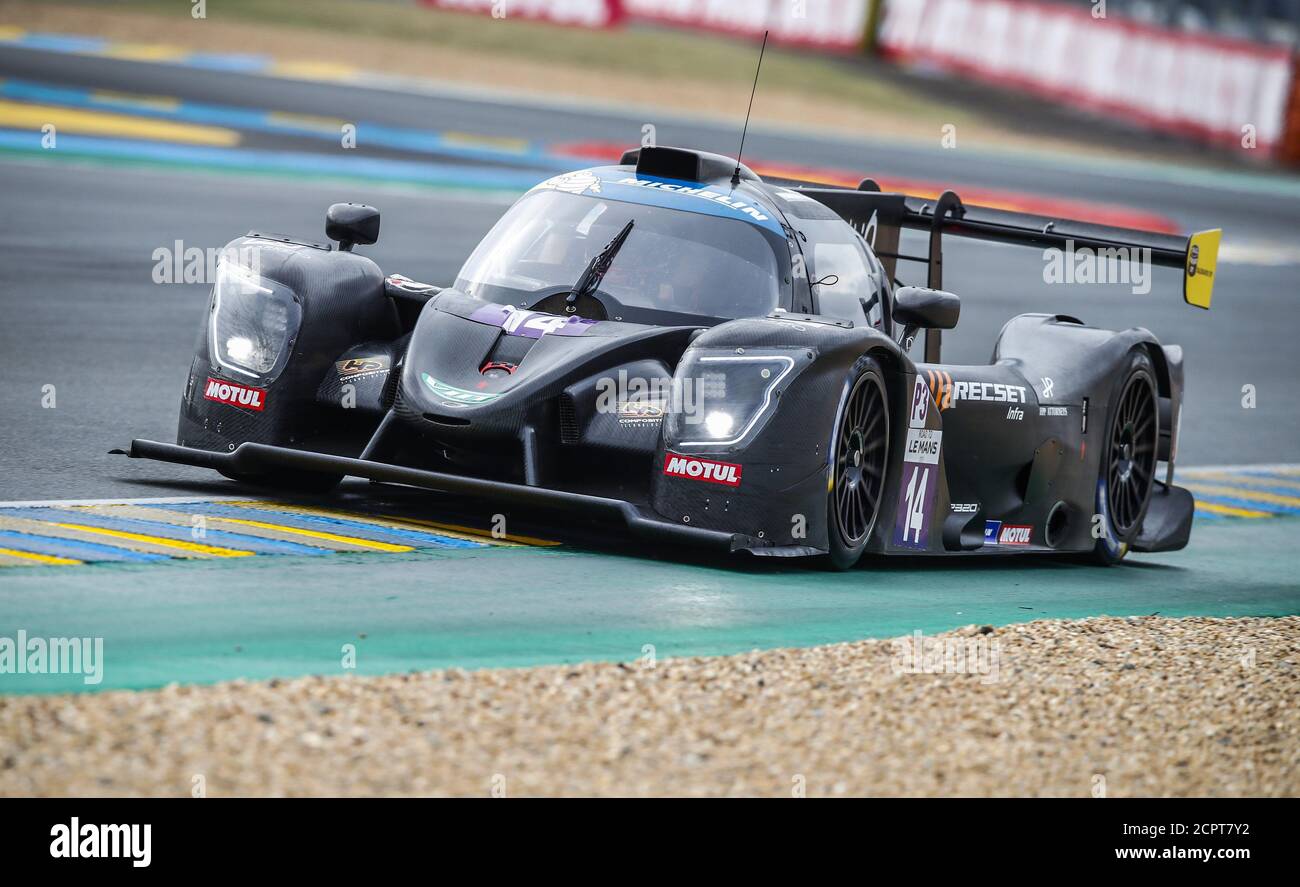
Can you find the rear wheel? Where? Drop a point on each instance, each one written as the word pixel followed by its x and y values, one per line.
pixel 1128 465
pixel 858 465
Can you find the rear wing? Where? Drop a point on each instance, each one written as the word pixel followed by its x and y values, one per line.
pixel 880 218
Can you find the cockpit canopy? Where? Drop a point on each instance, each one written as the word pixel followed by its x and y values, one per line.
pixel 689 258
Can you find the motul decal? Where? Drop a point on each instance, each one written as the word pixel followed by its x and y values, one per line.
pixel 1015 534
pixel 725 473
pixel 235 395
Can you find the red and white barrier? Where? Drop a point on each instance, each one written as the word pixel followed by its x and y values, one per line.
pixel 581 13
pixel 837 25
pixel 1212 88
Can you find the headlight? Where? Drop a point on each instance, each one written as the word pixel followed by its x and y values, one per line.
pixel 718 424
pixel 723 397
pixel 253 322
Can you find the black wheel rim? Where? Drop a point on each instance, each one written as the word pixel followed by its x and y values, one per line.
pixel 860 450
pixel 1132 460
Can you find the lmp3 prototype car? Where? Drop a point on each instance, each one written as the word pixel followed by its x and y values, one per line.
pixel 704 356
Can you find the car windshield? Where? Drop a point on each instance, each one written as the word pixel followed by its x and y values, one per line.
pixel 673 260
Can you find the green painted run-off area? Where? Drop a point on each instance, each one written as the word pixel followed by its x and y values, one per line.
pixel 201 621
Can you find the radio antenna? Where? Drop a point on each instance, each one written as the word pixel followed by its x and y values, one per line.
pixel 735 177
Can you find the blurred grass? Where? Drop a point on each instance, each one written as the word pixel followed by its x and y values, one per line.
pixel 654 53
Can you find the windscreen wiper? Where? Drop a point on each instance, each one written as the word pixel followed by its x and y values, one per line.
pixel 590 280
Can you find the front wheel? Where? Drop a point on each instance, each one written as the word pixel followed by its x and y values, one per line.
pixel 858 463
pixel 1128 464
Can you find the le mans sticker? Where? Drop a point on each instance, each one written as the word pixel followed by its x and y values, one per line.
pixel 923 445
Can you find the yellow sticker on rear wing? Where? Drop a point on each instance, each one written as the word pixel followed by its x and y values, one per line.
pixel 1198 274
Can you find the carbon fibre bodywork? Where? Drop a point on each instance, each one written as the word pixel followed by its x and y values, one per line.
pixel 343 303
pixel 444 390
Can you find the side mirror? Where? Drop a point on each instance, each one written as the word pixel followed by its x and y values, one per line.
pixel 927 309
pixel 352 223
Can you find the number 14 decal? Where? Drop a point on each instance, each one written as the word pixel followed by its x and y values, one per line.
pixel 912 522
pixel 916 504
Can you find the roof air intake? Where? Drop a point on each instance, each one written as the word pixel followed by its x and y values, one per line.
pixel 686 165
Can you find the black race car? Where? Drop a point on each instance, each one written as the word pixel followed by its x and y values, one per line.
pixel 705 357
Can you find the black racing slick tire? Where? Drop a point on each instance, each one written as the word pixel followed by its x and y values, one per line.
pixel 1128 460
pixel 859 460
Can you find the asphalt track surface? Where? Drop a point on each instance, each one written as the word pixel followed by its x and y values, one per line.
pixel 79 311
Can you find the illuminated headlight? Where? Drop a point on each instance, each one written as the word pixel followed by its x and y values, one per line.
pixel 241 350
pixel 253 322
pixel 723 397
pixel 718 424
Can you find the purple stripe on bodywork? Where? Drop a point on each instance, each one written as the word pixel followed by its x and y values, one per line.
pixel 532 324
